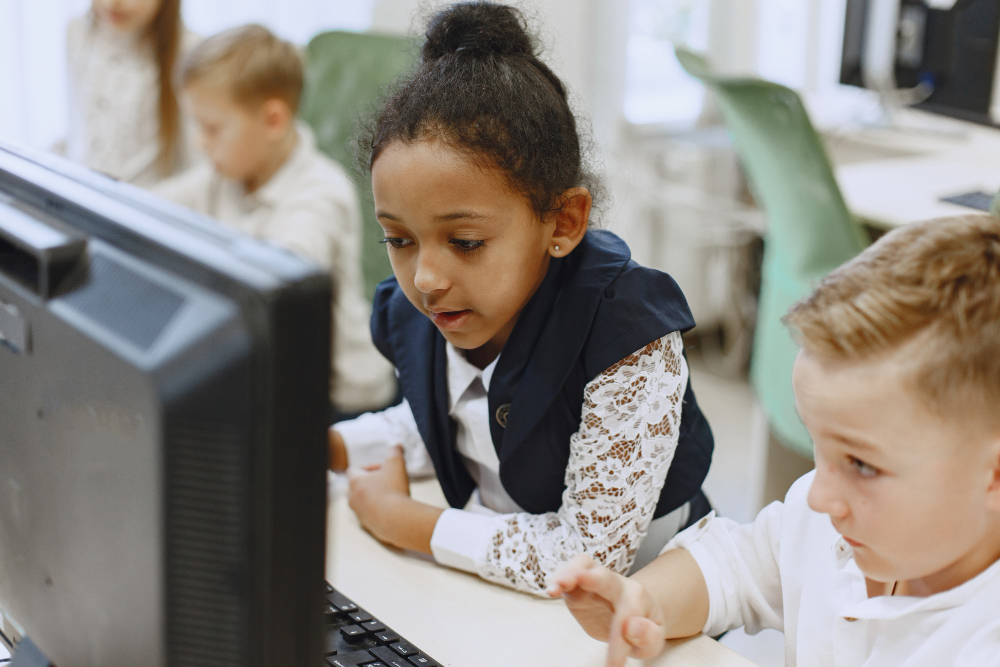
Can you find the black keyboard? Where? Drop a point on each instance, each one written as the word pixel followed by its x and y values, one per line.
pixel 354 638
pixel 977 200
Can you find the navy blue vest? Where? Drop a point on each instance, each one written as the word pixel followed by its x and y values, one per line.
pixel 594 307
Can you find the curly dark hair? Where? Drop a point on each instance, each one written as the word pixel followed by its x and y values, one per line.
pixel 481 87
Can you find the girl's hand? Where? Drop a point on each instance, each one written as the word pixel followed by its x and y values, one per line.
pixel 377 492
pixel 611 608
pixel 337 450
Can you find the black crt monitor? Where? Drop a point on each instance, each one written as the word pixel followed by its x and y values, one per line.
pixel 163 405
pixel 954 50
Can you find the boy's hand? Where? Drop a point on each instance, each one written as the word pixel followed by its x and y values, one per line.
pixel 611 608
pixel 376 490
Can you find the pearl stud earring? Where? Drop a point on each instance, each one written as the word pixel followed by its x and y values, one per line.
pixel 557 248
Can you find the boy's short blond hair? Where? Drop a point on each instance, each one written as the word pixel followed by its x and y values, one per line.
pixel 251 62
pixel 932 286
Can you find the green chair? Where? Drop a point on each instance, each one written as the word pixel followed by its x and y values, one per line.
pixel 346 78
pixel 810 231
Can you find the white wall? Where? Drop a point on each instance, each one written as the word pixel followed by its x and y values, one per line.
pixel 566 29
pixel 33 69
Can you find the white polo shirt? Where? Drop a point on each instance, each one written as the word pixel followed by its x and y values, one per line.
pixel 790 570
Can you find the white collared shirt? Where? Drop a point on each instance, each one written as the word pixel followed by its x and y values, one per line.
pixel 618 462
pixel 790 570
pixel 469 407
pixel 309 207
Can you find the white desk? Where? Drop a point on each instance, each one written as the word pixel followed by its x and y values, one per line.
pixel 458 618
pixel 917 168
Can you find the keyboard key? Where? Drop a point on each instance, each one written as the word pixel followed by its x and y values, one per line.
pixel 386 637
pixel 353 632
pixel 332 642
pixel 331 613
pixel 404 648
pixel 359 638
pixel 341 603
pixel 329 588
pixel 354 659
pixel 390 658
pixel 360 616
pixel 374 626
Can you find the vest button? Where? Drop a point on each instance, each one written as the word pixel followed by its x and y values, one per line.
pixel 502 413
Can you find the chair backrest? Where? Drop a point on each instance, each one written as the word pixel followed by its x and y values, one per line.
pixel 810 231
pixel 347 74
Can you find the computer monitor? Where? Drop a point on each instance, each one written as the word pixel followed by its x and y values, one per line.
pixel 163 405
pixel 947 49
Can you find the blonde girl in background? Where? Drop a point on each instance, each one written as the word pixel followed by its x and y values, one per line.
pixel 124 117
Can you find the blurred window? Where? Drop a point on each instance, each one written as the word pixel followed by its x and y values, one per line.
pixel 657 90
pixel 33 49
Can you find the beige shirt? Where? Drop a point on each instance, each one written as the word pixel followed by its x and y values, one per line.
pixel 113 98
pixel 308 206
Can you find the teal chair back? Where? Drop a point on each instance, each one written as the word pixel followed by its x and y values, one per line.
pixel 809 233
pixel 347 75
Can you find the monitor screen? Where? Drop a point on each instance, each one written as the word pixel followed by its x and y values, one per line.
pixel 163 405
pixel 950 50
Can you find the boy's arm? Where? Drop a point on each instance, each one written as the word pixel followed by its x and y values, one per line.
pixel 667 599
pixel 715 576
pixel 677 585
pixel 189 189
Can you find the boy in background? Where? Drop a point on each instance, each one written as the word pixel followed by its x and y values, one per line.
pixel 265 177
pixel 889 552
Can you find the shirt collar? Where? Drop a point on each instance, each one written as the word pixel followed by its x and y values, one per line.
pixel 116 38
pixel 278 185
pixel 462 374
pixel 885 607
pixel 843 552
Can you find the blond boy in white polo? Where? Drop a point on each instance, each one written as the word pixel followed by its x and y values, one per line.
pixel 889 552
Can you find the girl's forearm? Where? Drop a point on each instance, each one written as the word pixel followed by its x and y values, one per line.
pixel 676 583
pixel 411 523
pixel 337 451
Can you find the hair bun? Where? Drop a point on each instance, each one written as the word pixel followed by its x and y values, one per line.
pixel 480 28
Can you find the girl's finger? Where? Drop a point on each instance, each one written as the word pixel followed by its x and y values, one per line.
pixel 565 577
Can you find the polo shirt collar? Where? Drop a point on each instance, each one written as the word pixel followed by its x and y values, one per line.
pixel 885 607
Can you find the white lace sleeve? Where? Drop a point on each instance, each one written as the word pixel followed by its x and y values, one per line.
pixel 618 462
